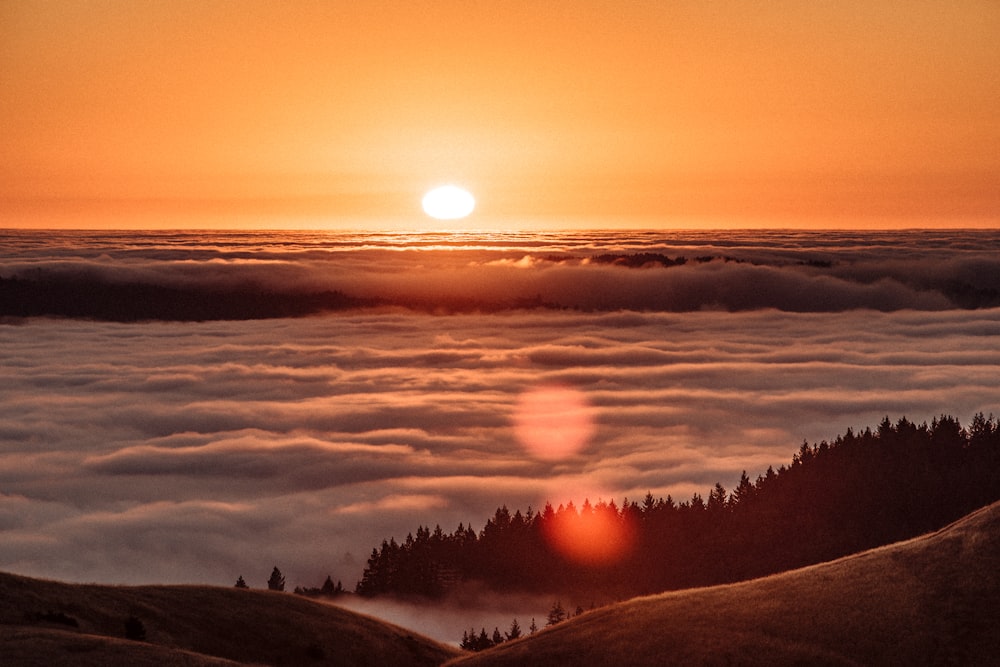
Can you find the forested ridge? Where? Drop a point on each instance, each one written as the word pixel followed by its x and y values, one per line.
pixel 859 491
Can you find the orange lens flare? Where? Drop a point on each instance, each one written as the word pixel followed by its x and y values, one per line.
pixel 599 537
pixel 553 422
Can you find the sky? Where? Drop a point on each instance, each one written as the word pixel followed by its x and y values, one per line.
pixel 300 114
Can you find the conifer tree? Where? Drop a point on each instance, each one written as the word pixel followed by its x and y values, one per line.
pixel 743 493
pixel 717 499
pixel 514 632
pixel 556 615
pixel 277 581
pixel 240 583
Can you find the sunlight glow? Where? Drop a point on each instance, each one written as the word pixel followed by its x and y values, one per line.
pixel 553 422
pixel 596 536
pixel 448 202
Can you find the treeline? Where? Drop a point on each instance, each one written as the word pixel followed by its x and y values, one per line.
pixel 473 642
pixel 835 498
pixel 482 641
pixel 277 583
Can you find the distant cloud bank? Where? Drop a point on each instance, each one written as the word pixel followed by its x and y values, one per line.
pixel 228 276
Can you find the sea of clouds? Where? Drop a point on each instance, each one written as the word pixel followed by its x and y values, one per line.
pixel 729 271
pixel 195 452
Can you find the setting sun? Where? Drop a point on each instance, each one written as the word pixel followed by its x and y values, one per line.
pixel 448 202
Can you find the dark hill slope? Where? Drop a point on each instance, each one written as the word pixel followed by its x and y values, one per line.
pixel 23 646
pixel 52 623
pixel 933 600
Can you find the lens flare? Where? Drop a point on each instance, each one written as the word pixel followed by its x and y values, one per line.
pixel 553 422
pixel 594 536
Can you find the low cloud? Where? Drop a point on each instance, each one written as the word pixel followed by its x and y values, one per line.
pixel 302 443
pixel 472 608
pixel 241 448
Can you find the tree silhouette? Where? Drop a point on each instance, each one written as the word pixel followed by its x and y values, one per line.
pixel 240 583
pixel 514 632
pixel 556 615
pixel 862 490
pixel 277 581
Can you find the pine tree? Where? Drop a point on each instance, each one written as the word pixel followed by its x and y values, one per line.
pixel 277 581
pixel 717 499
pixel 240 583
pixel 371 578
pixel 497 637
pixel 743 493
pixel 556 615
pixel 328 587
pixel 533 628
pixel 514 632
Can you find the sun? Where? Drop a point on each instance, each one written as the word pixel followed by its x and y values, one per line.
pixel 448 202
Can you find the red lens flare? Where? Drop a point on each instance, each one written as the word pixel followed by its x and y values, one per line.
pixel 593 536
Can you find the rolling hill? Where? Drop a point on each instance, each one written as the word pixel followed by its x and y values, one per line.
pixel 933 600
pixel 52 623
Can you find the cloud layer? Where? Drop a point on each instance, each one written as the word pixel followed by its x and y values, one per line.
pixel 229 276
pixel 196 452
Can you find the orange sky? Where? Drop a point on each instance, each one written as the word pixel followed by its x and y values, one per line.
pixel 564 113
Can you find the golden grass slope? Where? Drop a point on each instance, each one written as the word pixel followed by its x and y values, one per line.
pixel 193 626
pixel 933 600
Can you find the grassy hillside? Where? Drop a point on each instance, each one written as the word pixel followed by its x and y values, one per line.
pixel 929 601
pixel 52 623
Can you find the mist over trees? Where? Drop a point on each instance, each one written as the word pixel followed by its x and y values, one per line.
pixel 835 498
